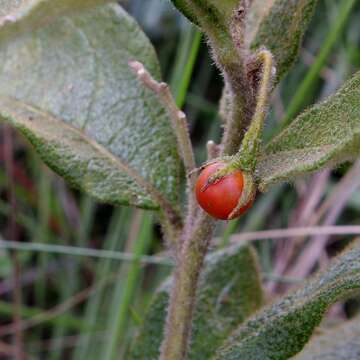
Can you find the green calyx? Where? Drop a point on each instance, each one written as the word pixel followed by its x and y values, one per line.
pixel 247 196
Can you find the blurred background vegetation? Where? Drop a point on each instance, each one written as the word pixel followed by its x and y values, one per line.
pixel 68 277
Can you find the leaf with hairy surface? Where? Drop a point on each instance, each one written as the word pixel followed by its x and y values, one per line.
pixel 214 18
pixel 229 291
pixel 282 329
pixel 325 135
pixel 84 163
pixel 75 70
pixel 279 25
pixel 183 7
pixel 195 10
pixel 19 16
pixel 340 343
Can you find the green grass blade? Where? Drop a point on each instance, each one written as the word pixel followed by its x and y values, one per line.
pixel 72 283
pixel 125 289
pixel 186 56
pixel 103 269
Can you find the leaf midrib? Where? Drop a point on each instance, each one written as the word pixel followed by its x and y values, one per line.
pixel 118 163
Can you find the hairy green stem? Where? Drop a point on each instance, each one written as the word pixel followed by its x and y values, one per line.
pixel 180 127
pixel 195 238
pixel 248 153
pixel 183 294
pixel 239 94
pixel 240 98
pixel 177 117
pixel 227 44
pixel 238 121
pixel 195 245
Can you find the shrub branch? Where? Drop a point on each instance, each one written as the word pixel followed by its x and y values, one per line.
pixel 178 122
pixel 232 59
pixel 183 293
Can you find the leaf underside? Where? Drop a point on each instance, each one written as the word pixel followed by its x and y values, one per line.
pixel 325 135
pixel 76 70
pixel 228 292
pixel 339 343
pixel 281 330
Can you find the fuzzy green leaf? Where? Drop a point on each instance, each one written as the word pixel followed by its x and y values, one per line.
pixel 76 69
pixel 281 330
pixel 325 135
pixel 223 10
pixel 84 163
pixel 21 16
pixel 229 291
pixel 339 343
pixel 183 7
pixel 214 18
pixel 279 25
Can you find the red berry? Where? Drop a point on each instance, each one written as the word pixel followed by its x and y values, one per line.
pixel 221 198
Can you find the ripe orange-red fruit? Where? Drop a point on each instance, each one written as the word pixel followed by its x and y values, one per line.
pixel 221 198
